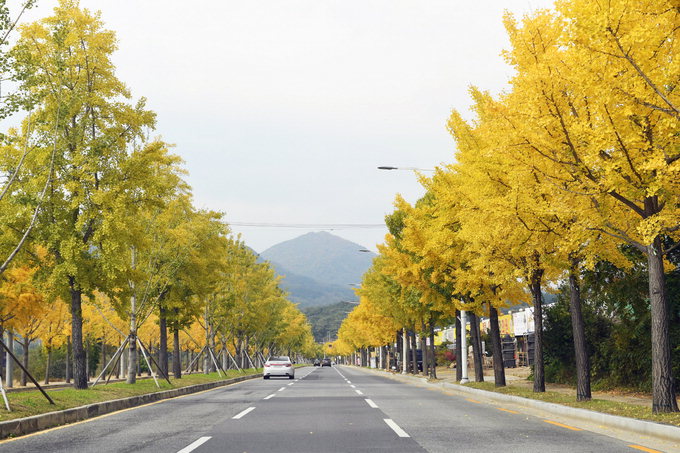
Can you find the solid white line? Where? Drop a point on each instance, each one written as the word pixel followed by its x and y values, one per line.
pixel 194 445
pixel 371 403
pixel 400 432
pixel 359 392
pixel 270 396
pixel 237 416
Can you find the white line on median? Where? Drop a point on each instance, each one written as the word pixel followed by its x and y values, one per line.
pixel 359 392
pixel 237 416
pixel 400 432
pixel 194 445
pixel 371 403
pixel 270 396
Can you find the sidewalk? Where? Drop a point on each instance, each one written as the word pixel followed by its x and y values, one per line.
pixel 517 377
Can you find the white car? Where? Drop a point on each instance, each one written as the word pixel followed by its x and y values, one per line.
pixel 278 366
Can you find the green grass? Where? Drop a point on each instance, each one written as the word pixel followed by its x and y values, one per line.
pixel 28 403
pixel 598 405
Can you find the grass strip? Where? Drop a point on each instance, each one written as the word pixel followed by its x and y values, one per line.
pixel 598 405
pixel 29 403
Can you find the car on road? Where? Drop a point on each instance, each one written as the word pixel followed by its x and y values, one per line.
pixel 317 362
pixel 326 362
pixel 279 366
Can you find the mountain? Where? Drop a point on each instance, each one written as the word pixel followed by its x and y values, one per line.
pixel 326 320
pixel 308 292
pixel 323 257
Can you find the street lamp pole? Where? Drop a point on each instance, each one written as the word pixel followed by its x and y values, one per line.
pixel 463 347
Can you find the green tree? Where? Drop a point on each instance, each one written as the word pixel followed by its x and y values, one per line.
pixel 82 113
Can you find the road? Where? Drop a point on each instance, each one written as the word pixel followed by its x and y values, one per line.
pixel 337 409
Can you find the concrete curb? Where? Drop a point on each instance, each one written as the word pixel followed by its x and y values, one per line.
pixel 27 425
pixel 642 427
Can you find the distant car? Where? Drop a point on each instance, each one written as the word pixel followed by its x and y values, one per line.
pixel 279 366
pixel 317 362
pixel 326 362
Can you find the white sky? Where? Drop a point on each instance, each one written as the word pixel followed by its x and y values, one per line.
pixel 282 110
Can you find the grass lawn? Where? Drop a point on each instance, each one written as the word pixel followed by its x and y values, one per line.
pixel 25 404
pixel 598 405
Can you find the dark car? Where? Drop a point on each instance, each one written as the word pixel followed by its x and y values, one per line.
pixel 326 362
pixel 317 362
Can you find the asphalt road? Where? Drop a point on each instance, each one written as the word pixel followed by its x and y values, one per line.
pixel 337 409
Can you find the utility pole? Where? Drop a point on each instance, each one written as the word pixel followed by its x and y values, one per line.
pixel 463 347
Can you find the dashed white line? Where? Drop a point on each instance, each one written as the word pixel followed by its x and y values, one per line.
pixel 371 403
pixel 282 389
pixel 270 396
pixel 400 432
pixel 353 386
pixel 241 414
pixel 291 384
pixel 349 382
pixel 194 445
pixel 359 392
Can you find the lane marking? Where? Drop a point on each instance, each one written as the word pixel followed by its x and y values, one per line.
pixel 371 403
pixel 353 386
pixel 49 430
pixel 194 445
pixel 563 426
pixel 640 447
pixel 348 381
pixel 270 396
pixel 473 401
pixel 400 432
pixel 507 410
pixel 359 392
pixel 282 389
pixel 242 413
pixel 291 384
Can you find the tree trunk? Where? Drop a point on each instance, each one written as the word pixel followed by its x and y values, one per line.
pixel 497 350
pixel 103 353
pixel 476 347
pixel 68 359
pixel 24 359
pixel 87 360
pixel 132 347
pixel 535 288
pixel 423 349
pixel 163 346
pixel 9 379
pixel 79 365
pixel 431 355
pixel 578 332
pixel 2 356
pixel 177 355
pixel 405 354
pixel 663 389
pixel 414 353
pixel 47 365
pixel 459 361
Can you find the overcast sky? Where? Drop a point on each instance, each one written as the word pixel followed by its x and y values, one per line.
pixel 282 110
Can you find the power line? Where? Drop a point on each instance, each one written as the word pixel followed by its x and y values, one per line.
pixel 314 226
